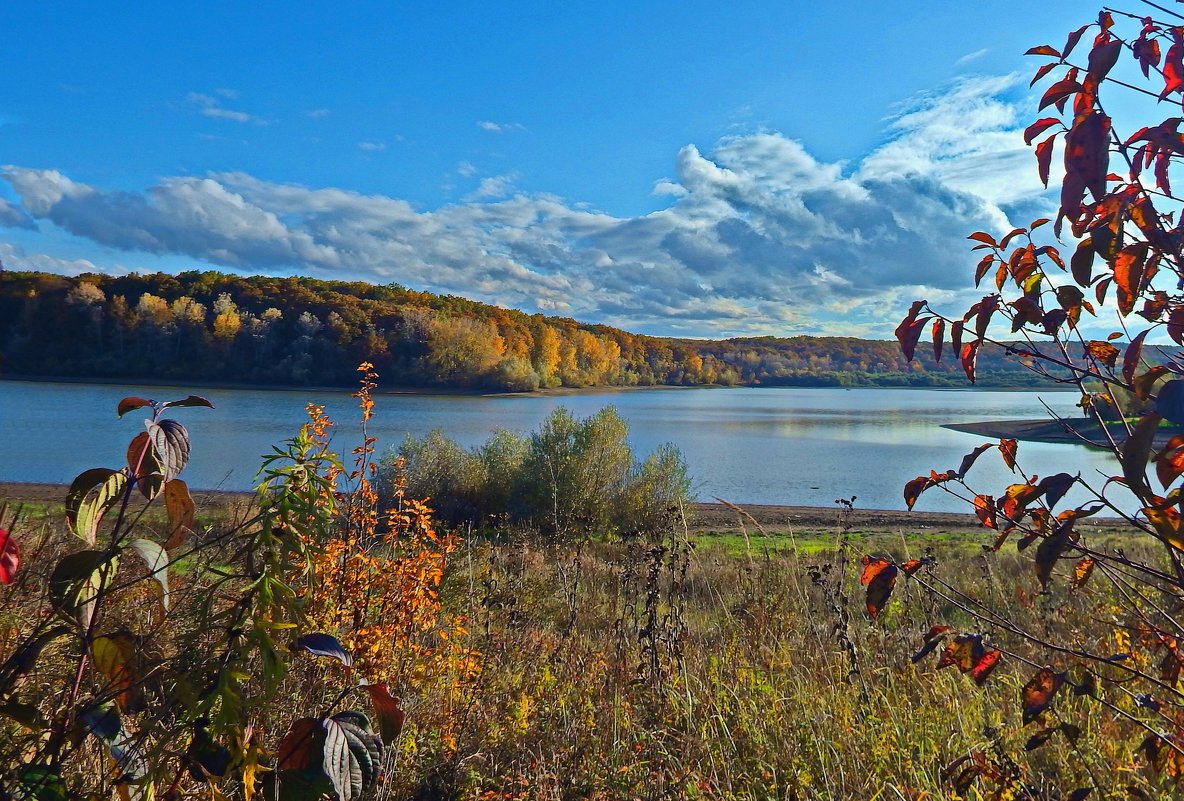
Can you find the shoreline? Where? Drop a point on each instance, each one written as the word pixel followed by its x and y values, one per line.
pixel 702 516
pixel 186 386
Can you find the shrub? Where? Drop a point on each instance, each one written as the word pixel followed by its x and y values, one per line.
pixel 1110 630
pixel 571 476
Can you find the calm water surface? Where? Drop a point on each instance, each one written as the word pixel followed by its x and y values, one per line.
pixel 769 445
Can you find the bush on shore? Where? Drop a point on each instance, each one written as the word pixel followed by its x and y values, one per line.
pixel 569 477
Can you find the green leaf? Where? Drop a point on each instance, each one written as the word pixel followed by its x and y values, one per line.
pixel 157 560
pixel 42 783
pixel 90 496
pixel 76 582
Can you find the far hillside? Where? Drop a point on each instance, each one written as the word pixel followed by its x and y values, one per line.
pixel 212 327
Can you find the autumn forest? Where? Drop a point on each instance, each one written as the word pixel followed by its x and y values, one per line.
pixel 213 327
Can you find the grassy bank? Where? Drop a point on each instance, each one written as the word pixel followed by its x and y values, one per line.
pixel 720 663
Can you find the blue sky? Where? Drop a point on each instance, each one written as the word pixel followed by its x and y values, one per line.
pixel 683 168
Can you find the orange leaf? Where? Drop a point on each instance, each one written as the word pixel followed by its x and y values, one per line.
pixel 1007 448
pixel 984 509
pixel 964 652
pixel 1103 352
pixel 1037 694
pixel 1043 50
pixel 1081 572
pixel 880 577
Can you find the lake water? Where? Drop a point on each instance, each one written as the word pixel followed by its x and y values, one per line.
pixel 769 445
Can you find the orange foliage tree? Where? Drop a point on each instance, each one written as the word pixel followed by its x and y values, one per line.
pixel 1112 630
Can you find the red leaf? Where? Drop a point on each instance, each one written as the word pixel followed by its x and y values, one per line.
pixel 1059 92
pixel 986 310
pixel 1044 158
pixel 1130 359
pixel 1103 57
pixel 914 488
pixel 908 334
pixel 1081 265
pixel 131 404
pixel 969 459
pixel 912 566
pixel 1087 153
pixel 982 268
pixel 1042 50
pixel 1072 41
pixel 964 652
pixel 299 749
pixel 984 237
pixel 1128 274
pixel 1176 324
pixel 10 557
pixel 1040 73
pixel 968 357
pixel 1007 448
pixel 1039 127
pixel 984 666
pixel 939 332
pixel 1055 487
pixel 956 336
pixel 1173 70
pixel 390 712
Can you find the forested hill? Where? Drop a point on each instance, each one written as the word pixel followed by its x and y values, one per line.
pixel 211 327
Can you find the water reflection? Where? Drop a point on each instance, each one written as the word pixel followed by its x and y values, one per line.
pixel 774 445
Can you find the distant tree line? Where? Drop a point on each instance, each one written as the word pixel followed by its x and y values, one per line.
pixel 208 326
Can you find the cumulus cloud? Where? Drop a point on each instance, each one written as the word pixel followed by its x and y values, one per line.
pixel 758 237
pixel 15 258
pixel 493 186
pixel 210 106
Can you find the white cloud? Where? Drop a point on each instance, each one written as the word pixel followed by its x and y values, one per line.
pixel 372 147
pixel 758 237
pixel 466 169
pixel 209 106
pixel 500 127
pixel 317 113
pixel 15 258
pixel 969 57
pixel 493 186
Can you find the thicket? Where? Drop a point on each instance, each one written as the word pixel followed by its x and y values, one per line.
pixel 207 326
pixel 149 656
pixel 571 477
